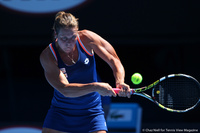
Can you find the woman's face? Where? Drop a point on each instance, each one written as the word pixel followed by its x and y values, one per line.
pixel 66 39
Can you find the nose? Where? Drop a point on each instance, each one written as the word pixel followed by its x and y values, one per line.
pixel 69 43
pixel 70 40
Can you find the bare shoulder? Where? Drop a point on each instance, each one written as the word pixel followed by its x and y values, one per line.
pixel 45 54
pixel 86 33
pixel 89 36
pixel 90 39
pixel 47 58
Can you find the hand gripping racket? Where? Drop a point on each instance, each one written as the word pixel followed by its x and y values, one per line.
pixel 175 92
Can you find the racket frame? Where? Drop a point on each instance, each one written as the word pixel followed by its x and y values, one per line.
pixel 140 92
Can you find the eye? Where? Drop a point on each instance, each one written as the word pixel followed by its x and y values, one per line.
pixel 63 38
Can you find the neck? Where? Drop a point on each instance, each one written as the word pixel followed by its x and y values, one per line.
pixel 71 55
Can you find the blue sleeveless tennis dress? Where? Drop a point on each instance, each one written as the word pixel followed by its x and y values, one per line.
pixel 82 114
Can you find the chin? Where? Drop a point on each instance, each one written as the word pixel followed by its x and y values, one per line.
pixel 67 50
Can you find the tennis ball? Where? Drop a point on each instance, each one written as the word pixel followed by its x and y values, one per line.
pixel 157 92
pixel 136 78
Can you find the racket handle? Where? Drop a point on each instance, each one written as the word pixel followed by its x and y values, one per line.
pixel 117 90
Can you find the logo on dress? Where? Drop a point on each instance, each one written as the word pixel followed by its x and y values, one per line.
pixel 86 61
pixel 64 72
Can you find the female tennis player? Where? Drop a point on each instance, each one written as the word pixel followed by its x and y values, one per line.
pixel 69 67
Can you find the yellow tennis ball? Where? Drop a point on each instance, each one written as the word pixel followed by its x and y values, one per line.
pixel 136 78
pixel 157 92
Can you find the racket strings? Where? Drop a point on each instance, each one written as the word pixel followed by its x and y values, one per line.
pixel 178 93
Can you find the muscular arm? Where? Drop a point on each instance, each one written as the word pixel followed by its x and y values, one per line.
pixel 104 50
pixel 108 54
pixel 56 79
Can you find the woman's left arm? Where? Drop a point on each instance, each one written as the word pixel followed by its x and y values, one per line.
pixel 105 50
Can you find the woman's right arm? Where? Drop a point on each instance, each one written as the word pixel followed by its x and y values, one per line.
pixel 57 79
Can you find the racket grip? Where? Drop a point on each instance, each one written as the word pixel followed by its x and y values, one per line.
pixel 117 90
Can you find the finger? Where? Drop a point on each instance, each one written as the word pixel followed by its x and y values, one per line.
pixel 113 93
pixel 122 93
pixel 129 95
pixel 127 90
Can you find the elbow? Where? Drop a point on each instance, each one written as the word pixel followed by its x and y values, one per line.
pixel 63 91
pixel 67 92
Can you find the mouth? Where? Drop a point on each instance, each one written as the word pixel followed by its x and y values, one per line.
pixel 67 49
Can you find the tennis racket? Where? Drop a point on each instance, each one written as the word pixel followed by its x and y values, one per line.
pixel 175 92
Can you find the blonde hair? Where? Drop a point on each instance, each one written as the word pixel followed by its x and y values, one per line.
pixel 64 20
